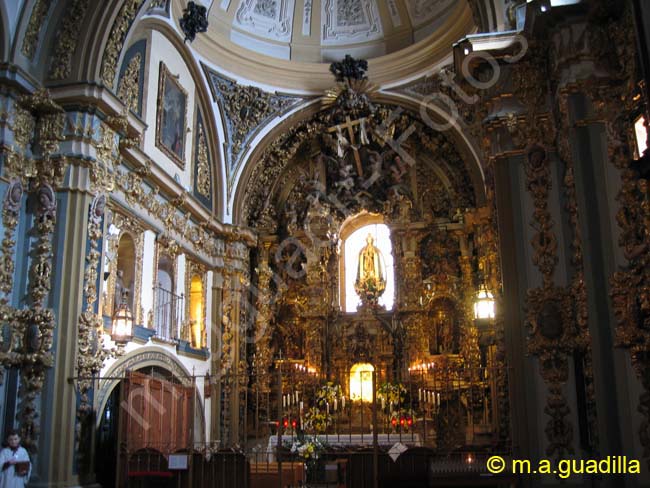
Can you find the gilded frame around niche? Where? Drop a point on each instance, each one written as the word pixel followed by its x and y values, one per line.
pixel 127 225
pixel 171 116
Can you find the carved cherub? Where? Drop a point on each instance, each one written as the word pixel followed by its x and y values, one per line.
pixel 398 169
pixel 346 181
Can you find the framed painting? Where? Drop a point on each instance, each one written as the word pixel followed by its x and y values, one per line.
pixel 171 117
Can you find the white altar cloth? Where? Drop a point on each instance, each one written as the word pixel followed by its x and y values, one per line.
pixel 353 440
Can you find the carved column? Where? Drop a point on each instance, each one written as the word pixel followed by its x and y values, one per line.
pixel 262 334
pixel 408 291
pixel 520 125
pixel 235 315
pixel 469 347
pixel 318 304
pixel 216 346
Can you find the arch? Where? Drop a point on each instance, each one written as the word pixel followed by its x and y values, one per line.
pixel 309 112
pixel 92 44
pixel 350 227
pixel 125 270
pixel 443 325
pixel 5 38
pixel 197 320
pixel 140 358
pixel 203 100
pixel 361 382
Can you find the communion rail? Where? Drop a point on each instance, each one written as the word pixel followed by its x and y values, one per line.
pixel 364 467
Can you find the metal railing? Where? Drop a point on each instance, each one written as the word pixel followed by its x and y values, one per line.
pixel 168 313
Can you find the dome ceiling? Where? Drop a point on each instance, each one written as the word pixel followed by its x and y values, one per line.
pixel 326 30
pixel 304 36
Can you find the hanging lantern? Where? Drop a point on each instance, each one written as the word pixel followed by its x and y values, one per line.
pixel 207 387
pixel 484 304
pixel 122 330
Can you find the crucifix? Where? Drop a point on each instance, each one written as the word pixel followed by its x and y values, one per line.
pixel 349 125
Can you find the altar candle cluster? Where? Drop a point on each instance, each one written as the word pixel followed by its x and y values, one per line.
pixel 290 399
pixel 428 396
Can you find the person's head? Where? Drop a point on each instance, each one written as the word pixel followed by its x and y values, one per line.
pixel 13 439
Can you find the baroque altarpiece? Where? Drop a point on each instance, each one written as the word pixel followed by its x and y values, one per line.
pixel 343 172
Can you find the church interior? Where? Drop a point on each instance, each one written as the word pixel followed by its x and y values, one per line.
pixel 328 243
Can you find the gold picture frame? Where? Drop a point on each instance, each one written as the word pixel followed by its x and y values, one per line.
pixel 171 116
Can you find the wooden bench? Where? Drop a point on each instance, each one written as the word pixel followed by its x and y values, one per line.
pixel 267 475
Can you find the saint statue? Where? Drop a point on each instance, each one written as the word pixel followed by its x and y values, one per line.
pixel 371 276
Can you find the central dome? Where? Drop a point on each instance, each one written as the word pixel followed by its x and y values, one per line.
pixel 301 37
pixel 326 30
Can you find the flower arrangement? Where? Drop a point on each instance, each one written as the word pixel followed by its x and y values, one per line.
pixel 308 449
pixel 317 421
pixel 391 395
pixel 318 418
pixel 327 394
pixel 393 404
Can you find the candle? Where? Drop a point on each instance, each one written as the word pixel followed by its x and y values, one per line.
pixel 296 397
pixel 301 406
pixel 342 402
pixel 420 394
pixel 328 407
pixel 438 399
pixel 335 405
pixel 284 401
pixel 383 403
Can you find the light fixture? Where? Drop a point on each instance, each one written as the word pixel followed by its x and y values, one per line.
pixel 122 331
pixel 484 304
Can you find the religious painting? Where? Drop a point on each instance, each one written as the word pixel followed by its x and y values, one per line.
pixel 172 116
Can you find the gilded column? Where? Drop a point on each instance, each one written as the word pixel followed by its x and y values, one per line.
pixel 234 341
pixel 262 337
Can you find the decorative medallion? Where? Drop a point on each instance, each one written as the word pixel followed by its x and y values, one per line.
pixel 271 19
pixel 345 21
